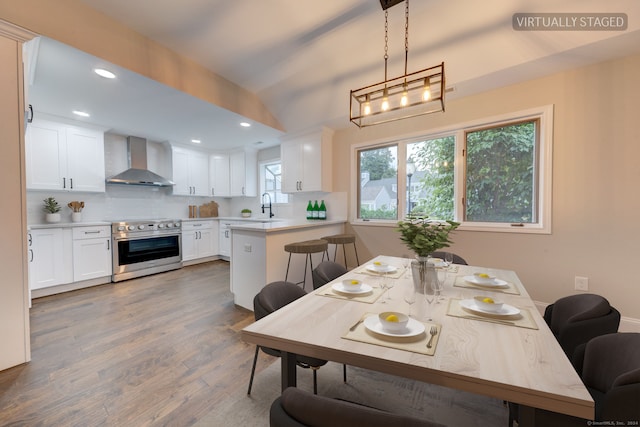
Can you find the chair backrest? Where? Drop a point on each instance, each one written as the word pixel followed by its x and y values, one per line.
pixel 576 308
pixel 274 296
pixel 325 272
pixel 297 407
pixel 612 360
pixel 457 259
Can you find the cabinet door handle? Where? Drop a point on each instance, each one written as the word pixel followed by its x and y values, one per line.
pixel 64 182
pixel 30 239
pixel 108 245
pixel 71 181
pixel 243 191
pixel 92 232
pixel 30 119
pixel 213 193
pixel 300 185
pixel 31 253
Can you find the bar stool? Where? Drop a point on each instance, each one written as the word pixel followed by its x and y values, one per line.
pixel 342 239
pixel 307 247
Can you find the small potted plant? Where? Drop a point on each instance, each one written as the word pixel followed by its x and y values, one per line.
pixel 52 209
pixel 246 213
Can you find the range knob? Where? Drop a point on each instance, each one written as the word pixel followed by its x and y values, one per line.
pixel 160 225
pixel 131 227
pixel 177 224
pixel 121 228
pixel 141 227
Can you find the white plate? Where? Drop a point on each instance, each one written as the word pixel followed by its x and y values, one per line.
pixel 505 310
pixel 364 289
pixel 382 268
pixel 437 262
pixel 496 283
pixel 413 327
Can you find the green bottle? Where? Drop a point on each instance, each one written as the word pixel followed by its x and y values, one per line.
pixel 309 210
pixel 316 210
pixel 322 214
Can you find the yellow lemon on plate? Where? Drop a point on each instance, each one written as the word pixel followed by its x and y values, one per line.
pixel 488 300
pixel 483 275
pixel 355 282
pixel 377 263
pixel 392 318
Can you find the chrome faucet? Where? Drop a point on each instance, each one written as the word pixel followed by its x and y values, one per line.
pixel 271 214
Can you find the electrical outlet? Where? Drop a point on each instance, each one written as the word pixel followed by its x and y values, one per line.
pixel 247 247
pixel 582 283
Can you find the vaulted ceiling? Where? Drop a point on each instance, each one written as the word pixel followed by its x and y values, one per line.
pixel 302 57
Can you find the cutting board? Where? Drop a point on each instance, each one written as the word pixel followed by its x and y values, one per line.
pixel 208 210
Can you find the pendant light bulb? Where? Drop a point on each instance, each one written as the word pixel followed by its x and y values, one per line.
pixel 426 94
pixel 405 97
pixel 385 100
pixel 367 106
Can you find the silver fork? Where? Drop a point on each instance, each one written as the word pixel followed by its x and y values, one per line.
pixel 433 331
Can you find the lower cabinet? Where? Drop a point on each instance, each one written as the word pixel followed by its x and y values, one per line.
pixel 199 239
pixel 91 253
pixel 50 261
pixel 225 239
pixel 64 255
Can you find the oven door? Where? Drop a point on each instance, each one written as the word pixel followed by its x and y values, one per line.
pixel 145 251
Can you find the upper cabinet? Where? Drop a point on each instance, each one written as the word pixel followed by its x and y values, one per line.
pixel 306 162
pixel 243 173
pixel 190 172
pixel 219 175
pixel 64 157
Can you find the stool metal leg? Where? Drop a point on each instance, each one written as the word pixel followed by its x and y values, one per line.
pixel 344 252
pixel 288 263
pixel 356 251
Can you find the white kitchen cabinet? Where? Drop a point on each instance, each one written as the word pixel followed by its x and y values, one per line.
pixel 64 157
pixel 219 175
pixel 243 173
pixel 50 261
pixel 199 239
pixel 91 252
pixel 190 172
pixel 306 162
pixel 225 239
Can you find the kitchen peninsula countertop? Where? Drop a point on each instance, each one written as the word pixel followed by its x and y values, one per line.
pixel 285 224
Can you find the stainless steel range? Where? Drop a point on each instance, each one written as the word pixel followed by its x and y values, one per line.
pixel 145 247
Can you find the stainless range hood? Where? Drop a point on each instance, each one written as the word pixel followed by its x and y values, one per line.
pixel 138 174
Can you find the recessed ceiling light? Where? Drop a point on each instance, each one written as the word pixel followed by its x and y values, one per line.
pixel 81 113
pixel 245 124
pixel 104 73
pixel 196 141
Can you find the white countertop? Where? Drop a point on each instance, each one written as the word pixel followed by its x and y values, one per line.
pixel 285 224
pixel 68 224
pixel 236 218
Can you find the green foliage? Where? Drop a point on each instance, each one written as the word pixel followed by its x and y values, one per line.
pixel 424 236
pixel 379 163
pixel 51 206
pixel 436 157
pixel 378 213
pixel 245 210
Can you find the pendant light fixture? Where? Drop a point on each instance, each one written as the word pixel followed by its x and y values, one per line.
pixel 409 95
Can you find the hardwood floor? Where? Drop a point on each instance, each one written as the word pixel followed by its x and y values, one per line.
pixel 158 350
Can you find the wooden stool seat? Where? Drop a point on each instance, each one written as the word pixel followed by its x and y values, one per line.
pixel 342 239
pixel 307 247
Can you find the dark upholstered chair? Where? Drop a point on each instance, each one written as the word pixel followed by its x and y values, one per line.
pixel 297 408
pixel 457 259
pixel 325 272
pixel 271 298
pixel 609 366
pixel 576 319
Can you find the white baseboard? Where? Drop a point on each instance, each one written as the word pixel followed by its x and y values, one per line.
pixel 627 324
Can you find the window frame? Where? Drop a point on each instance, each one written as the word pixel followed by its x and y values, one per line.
pixel 262 165
pixel 543 180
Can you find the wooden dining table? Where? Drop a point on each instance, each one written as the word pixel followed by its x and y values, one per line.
pixel 513 358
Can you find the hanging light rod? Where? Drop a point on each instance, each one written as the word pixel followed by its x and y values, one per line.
pixel 402 97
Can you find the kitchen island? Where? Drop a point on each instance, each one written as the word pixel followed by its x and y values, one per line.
pixel 258 256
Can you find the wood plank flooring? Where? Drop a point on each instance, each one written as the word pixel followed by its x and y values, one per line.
pixel 158 350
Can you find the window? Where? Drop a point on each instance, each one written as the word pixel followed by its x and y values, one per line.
pixel 271 181
pixel 493 174
pixel 378 191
